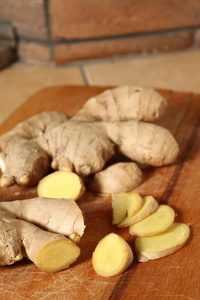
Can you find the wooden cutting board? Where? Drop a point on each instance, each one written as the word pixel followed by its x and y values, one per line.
pixel 173 277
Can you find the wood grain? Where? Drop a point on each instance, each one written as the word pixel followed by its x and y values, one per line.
pixel 174 277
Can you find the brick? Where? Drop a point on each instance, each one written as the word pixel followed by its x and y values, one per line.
pixel 8 54
pixel 27 16
pixel 34 52
pixel 139 44
pixel 198 38
pixel 78 19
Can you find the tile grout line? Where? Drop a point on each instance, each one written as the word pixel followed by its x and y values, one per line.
pixel 85 75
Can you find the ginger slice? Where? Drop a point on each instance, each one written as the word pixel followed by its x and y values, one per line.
pixel 57 255
pixel 157 222
pixel 112 256
pixel 163 244
pixel 61 184
pixel 148 207
pixel 125 205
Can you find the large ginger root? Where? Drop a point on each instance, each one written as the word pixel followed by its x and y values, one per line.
pixel 51 252
pixel 112 255
pixel 122 104
pixel 85 146
pixel 81 146
pixel 57 215
pixel 61 184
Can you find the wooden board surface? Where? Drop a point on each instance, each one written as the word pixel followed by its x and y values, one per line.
pixel 173 277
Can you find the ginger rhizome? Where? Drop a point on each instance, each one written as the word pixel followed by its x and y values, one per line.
pixel 44 230
pixel 124 103
pixel 50 252
pixel 117 178
pixel 57 215
pixel 112 122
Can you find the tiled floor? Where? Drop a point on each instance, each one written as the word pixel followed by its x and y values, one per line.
pixel 178 71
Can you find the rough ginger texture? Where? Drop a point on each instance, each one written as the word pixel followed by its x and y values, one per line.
pixel 86 142
pixel 56 215
pixel 51 252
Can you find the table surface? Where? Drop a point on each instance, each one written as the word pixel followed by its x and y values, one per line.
pixel 173 277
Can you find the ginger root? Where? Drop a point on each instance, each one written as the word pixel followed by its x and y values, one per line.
pixel 163 244
pixel 117 178
pixel 57 215
pixel 61 184
pixel 112 256
pixel 107 124
pixel 50 252
pixel 124 103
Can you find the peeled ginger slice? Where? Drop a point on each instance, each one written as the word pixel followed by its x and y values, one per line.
pixel 148 207
pixel 112 256
pixel 61 184
pixel 57 255
pixel 125 205
pixel 163 244
pixel 157 222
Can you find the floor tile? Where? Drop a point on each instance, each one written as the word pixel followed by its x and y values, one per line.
pixel 179 71
pixel 20 81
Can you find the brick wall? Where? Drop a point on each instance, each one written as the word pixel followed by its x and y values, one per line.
pixel 61 31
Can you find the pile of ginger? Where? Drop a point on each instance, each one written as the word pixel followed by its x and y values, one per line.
pixel 117 121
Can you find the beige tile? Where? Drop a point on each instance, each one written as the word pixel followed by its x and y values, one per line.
pixel 20 81
pixel 179 71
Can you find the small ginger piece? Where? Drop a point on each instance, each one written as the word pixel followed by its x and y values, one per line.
pixel 112 256
pixel 125 205
pixel 57 215
pixel 161 219
pixel 117 178
pixel 61 184
pixel 163 244
pixel 148 207
pixel 51 252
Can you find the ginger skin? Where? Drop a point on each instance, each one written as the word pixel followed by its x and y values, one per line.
pixel 51 252
pixel 117 178
pixel 85 143
pixel 124 103
pixel 56 215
